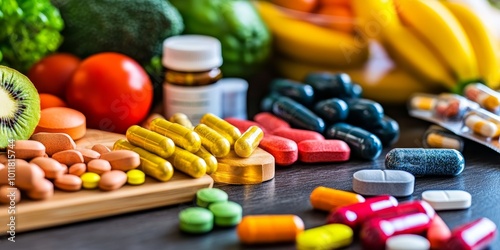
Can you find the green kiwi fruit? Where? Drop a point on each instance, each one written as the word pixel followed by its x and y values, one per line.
pixel 19 106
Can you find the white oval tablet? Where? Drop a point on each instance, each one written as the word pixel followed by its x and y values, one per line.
pixel 447 199
pixel 397 183
pixel 407 242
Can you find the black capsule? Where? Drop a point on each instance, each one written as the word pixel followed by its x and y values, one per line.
pixel 362 143
pixel 332 110
pixel 298 91
pixel 328 85
pixel 364 111
pixel 297 115
pixel 266 104
pixel 356 91
pixel 387 130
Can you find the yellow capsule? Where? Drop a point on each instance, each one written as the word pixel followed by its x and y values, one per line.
pixel 484 96
pixel 217 144
pixel 248 142
pixel 182 136
pixel 90 180
pixel 150 141
pixel 209 159
pixel 438 140
pixel 151 164
pixel 181 119
pixel 188 163
pixel 224 128
pixel 135 177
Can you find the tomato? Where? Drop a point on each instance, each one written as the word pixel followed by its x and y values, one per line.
pixel 52 73
pixel 299 5
pixel 112 90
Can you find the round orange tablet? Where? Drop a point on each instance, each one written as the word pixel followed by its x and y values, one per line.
pixel 62 120
pixel 49 101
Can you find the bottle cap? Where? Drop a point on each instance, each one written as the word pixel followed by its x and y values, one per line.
pixel 191 53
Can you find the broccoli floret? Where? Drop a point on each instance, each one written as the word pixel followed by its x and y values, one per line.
pixel 30 29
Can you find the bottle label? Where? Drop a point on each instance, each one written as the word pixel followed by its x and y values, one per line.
pixel 192 101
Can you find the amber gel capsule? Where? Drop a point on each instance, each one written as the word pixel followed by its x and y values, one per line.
pixel 258 229
pixel 214 142
pixel 188 163
pixel 150 141
pixel 151 164
pixel 224 128
pixel 248 142
pixel 182 136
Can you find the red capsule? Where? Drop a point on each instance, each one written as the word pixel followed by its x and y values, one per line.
pixel 375 232
pixel 408 207
pixel 270 122
pixel 475 235
pixel 356 214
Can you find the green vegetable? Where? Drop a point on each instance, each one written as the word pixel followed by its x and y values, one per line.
pixel 245 39
pixel 135 28
pixel 29 30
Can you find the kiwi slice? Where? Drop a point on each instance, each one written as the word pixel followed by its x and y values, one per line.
pixel 19 106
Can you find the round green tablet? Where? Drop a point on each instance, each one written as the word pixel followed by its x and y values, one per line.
pixel 196 220
pixel 206 196
pixel 227 214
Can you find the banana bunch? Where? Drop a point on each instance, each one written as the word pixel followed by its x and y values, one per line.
pixel 310 43
pixel 443 42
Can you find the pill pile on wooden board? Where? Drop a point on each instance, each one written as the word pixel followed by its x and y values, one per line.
pixel 51 160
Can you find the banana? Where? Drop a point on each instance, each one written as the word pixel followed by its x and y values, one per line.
pixel 395 87
pixel 483 42
pixel 438 28
pixel 484 10
pixel 403 46
pixel 311 43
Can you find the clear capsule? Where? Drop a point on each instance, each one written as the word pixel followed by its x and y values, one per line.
pixel 150 141
pixel 248 142
pixel 484 96
pixel 439 137
pixel 182 136
pixel 214 142
pixel 483 123
pixel 224 128
pixel 188 163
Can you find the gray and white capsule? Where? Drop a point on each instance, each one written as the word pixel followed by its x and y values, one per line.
pixel 420 161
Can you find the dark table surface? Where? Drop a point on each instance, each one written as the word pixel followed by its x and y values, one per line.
pixel 287 193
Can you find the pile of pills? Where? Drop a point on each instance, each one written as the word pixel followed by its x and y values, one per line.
pixel 380 222
pixel 176 144
pixel 213 209
pixel 325 105
pixel 51 160
pixel 475 116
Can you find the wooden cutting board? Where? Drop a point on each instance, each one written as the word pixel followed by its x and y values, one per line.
pixel 68 207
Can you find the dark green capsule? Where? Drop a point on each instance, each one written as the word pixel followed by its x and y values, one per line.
pixel 297 115
pixel 266 104
pixel 298 91
pixel 364 111
pixel 328 85
pixel 362 143
pixel 332 110
pixel 387 130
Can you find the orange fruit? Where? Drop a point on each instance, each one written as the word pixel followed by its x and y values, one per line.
pixel 342 18
pixel 299 5
pixel 49 101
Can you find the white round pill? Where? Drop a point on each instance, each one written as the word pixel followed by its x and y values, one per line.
pixel 407 242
